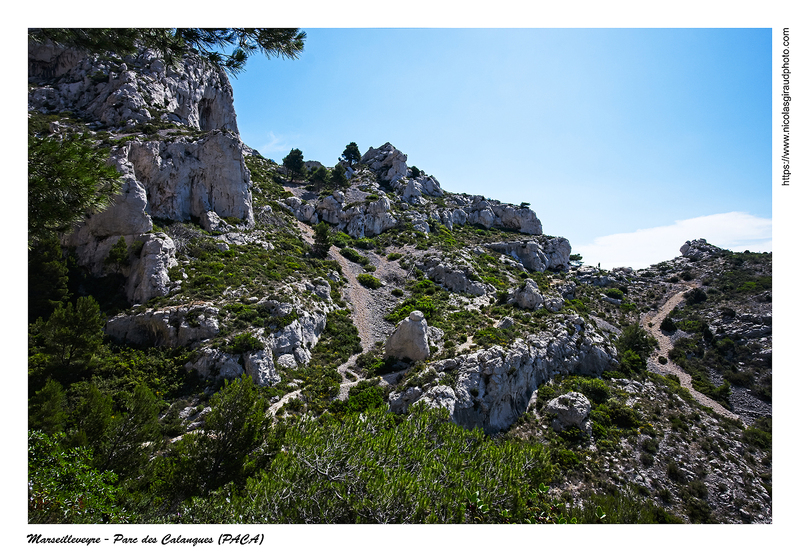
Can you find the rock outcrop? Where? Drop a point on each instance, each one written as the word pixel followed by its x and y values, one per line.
pixel 185 179
pixel 699 249
pixel 410 338
pixel 418 201
pixel 539 254
pixel 388 162
pixel 570 410
pixel 170 327
pixel 175 178
pixel 459 279
pixel 494 386
pixel 120 93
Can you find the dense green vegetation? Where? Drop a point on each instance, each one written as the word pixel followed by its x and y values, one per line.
pixel 382 469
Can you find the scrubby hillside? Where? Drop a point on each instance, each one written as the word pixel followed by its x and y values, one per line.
pixel 237 339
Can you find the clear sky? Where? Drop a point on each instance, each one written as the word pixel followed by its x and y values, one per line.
pixel 627 142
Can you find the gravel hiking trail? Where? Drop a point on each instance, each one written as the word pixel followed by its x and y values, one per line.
pixel 368 307
pixel 651 323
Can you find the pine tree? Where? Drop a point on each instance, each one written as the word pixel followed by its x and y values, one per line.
pixel 47 279
pixel 322 241
pixel 70 338
pixel 351 155
pixel 68 179
pixel 319 177
pixel 338 177
pixel 47 409
pixel 294 163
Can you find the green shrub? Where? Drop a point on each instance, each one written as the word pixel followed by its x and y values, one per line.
pixel 340 239
pixel 365 243
pixel 363 396
pixel 353 255
pixel 243 343
pixel 668 325
pixel 759 434
pixel 596 390
pixel 378 468
pixel 619 414
pixel 674 472
pixel 394 256
pixel 65 487
pixel 650 445
pixel 369 281
pixel 375 365
pixel 614 293
pixel 695 296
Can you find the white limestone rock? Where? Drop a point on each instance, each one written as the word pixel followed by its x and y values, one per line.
pixel 538 254
pixel 261 368
pixel 699 249
pixel 214 364
pixel 387 161
pixel 149 275
pixel 517 218
pixel 457 279
pixel 494 386
pixel 189 179
pixel 570 410
pixel 527 296
pixel 170 327
pixel 440 396
pixel 194 93
pixel 410 338
pixel 400 400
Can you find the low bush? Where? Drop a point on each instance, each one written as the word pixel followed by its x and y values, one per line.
pixel 353 255
pixel 369 281
pixel 614 293
pixel 668 325
pixel 243 343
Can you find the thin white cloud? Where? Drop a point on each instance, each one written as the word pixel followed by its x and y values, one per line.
pixel 274 145
pixel 735 231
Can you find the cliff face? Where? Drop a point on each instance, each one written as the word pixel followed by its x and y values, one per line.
pixel 121 92
pixel 173 137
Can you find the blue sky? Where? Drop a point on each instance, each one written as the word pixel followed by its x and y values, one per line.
pixel 615 136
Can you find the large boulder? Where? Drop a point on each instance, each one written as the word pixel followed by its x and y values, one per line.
pixel 149 273
pixel 517 218
pixel 457 279
pixel 410 338
pixel 261 368
pixel 388 162
pixel 527 295
pixel 698 250
pixel 538 254
pixel 570 410
pixel 214 364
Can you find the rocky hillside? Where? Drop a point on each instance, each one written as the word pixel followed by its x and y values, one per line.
pixel 387 291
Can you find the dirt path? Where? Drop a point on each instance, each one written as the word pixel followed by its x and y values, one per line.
pixel 651 323
pixel 368 306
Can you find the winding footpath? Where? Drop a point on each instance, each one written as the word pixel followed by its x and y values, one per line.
pixel 366 317
pixel 652 324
